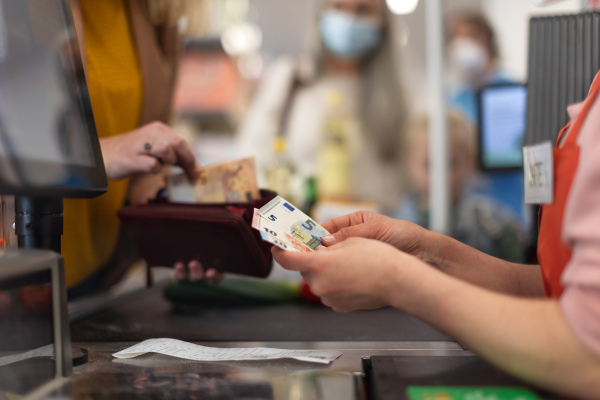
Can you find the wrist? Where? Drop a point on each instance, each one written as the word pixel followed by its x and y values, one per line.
pixel 106 148
pixel 407 286
pixel 393 289
pixel 434 249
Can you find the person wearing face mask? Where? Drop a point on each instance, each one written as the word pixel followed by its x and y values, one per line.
pixel 473 60
pixel 337 116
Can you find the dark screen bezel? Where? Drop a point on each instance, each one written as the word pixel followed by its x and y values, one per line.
pixel 94 178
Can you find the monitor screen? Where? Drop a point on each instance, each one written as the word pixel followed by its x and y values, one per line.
pixel 502 115
pixel 48 139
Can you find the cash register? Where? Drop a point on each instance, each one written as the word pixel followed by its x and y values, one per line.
pixel 49 150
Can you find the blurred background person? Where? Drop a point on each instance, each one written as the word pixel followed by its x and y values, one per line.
pixel 473 60
pixel 130 50
pixel 474 63
pixel 330 127
pixel 476 219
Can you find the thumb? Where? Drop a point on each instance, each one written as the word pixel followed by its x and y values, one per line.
pixel 361 230
pixel 146 163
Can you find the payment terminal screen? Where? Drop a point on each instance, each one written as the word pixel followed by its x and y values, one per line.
pixel 502 126
pixel 48 140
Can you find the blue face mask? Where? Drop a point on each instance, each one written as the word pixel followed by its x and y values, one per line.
pixel 348 37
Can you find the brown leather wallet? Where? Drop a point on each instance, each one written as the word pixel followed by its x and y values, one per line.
pixel 220 236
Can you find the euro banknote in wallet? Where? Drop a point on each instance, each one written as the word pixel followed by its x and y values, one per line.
pixel 228 182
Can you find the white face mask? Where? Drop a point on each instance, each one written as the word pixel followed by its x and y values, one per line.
pixel 347 36
pixel 468 58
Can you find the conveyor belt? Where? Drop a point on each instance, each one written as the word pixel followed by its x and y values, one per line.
pixel 151 316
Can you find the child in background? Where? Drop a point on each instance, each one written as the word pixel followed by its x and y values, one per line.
pixel 476 220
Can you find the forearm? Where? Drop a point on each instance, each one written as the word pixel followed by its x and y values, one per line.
pixel 526 337
pixel 476 267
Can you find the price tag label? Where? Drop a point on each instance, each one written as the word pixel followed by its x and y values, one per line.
pixel 539 173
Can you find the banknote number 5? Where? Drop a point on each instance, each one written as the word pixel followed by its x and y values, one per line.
pixel 309 225
pixel 272 218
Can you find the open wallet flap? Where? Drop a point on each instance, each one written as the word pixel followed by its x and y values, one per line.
pixel 218 235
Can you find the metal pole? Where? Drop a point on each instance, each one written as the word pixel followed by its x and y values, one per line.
pixel 438 148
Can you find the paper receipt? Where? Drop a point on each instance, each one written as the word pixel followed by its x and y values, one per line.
pixel 190 351
pixel 45 351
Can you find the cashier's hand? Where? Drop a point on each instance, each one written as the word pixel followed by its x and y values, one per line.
pixel 195 271
pixel 403 235
pixel 354 274
pixel 146 150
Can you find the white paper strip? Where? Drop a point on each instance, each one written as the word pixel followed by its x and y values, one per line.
pixel 45 351
pixel 190 351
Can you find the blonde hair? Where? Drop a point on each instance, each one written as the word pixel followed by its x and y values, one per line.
pixel 383 106
pixel 460 133
pixel 194 13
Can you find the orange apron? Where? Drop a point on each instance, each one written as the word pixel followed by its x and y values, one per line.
pixel 553 253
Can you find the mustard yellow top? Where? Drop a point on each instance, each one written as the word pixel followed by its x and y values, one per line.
pixel 91 227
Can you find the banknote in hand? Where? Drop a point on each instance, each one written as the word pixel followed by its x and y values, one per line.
pixel 269 233
pixel 276 242
pixel 289 223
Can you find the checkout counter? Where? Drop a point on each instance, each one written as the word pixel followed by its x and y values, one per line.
pixel 384 352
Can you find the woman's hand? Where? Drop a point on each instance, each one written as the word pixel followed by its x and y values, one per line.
pixel 439 251
pixel 196 272
pixel 354 274
pixel 403 235
pixel 146 150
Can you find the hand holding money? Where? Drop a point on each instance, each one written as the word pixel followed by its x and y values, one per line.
pixel 354 274
pixel 286 227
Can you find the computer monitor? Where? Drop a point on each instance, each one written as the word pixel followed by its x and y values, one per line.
pixel 48 140
pixel 502 115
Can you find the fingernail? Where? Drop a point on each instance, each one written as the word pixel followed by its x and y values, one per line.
pixel 329 239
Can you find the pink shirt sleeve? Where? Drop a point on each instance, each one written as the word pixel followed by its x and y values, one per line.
pixel 580 301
